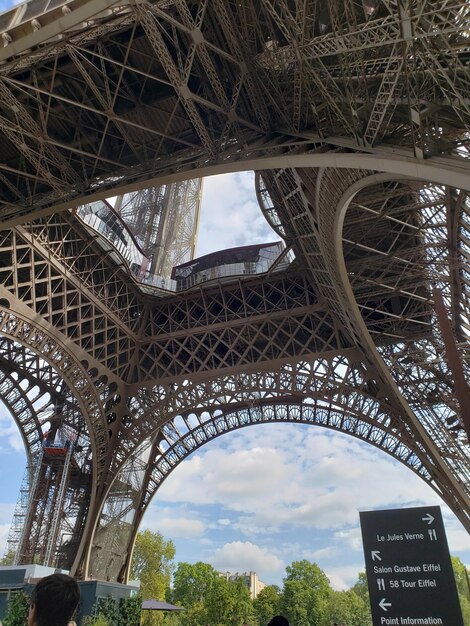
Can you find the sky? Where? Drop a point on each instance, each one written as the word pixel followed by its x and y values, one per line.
pixel 7 4
pixel 264 496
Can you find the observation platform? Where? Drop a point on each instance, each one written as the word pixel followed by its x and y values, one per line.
pixel 117 240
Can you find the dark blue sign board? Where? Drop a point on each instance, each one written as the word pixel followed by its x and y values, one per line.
pixel 408 567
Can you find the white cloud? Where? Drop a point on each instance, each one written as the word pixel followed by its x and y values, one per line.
pixel 6 512
pixel 6 516
pixel 230 215
pixel 173 522
pixel 319 480
pixel 4 530
pixel 457 537
pixel 323 553
pixel 349 538
pixel 345 576
pixel 296 492
pixel 239 556
pixel 11 438
pixel 206 542
pixel 180 527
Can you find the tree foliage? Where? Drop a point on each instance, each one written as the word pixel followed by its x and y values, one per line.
pixel 191 586
pixel 129 611
pixel 18 607
pixel 306 592
pixel 95 620
pixel 295 603
pixel 8 558
pixel 461 576
pixel 152 564
pixel 242 605
pixel 361 589
pixel 108 609
pixel 210 598
pixel 462 582
pixel 192 582
pixel 345 607
pixel 219 602
pixel 103 613
pixel 465 606
pixel 266 604
pixel 306 599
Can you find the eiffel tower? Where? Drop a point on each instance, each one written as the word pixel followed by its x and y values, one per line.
pixel 355 116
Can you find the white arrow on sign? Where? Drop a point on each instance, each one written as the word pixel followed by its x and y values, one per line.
pixel 383 604
pixel 428 518
pixel 375 554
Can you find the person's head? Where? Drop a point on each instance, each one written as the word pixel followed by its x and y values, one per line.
pixel 53 601
pixel 278 620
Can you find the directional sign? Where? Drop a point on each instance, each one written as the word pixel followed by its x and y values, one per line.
pixel 408 568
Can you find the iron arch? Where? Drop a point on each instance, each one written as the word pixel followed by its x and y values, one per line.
pixel 203 427
pixel 39 353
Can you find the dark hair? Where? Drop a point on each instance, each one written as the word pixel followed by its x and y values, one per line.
pixel 55 597
pixel 278 620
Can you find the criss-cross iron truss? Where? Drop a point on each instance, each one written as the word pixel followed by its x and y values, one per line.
pixel 355 115
pixel 164 220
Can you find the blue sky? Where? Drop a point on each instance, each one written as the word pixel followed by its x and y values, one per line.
pixel 7 4
pixel 264 496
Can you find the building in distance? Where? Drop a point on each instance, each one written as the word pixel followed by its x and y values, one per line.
pixel 251 580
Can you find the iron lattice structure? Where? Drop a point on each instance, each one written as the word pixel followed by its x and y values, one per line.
pixel 164 220
pixel 356 115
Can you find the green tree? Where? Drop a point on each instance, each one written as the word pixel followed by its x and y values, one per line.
pixel 305 595
pixel 461 581
pixel 229 603
pixel 8 558
pixel 172 618
pixel 266 604
pixel 152 564
pixel 310 574
pixel 95 620
pixel 18 607
pixel 361 589
pixel 242 605
pixel 193 615
pixel 219 602
pixel 192 582
pixel 108 609
pixel 461 576
pixel 103 613
pixel 465 606
pixel 191 586
pixel 344 607
pixel 129 611
pixel 295 603
pixel 210 598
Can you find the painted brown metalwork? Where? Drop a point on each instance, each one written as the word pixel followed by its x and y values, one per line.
pixel 355 115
